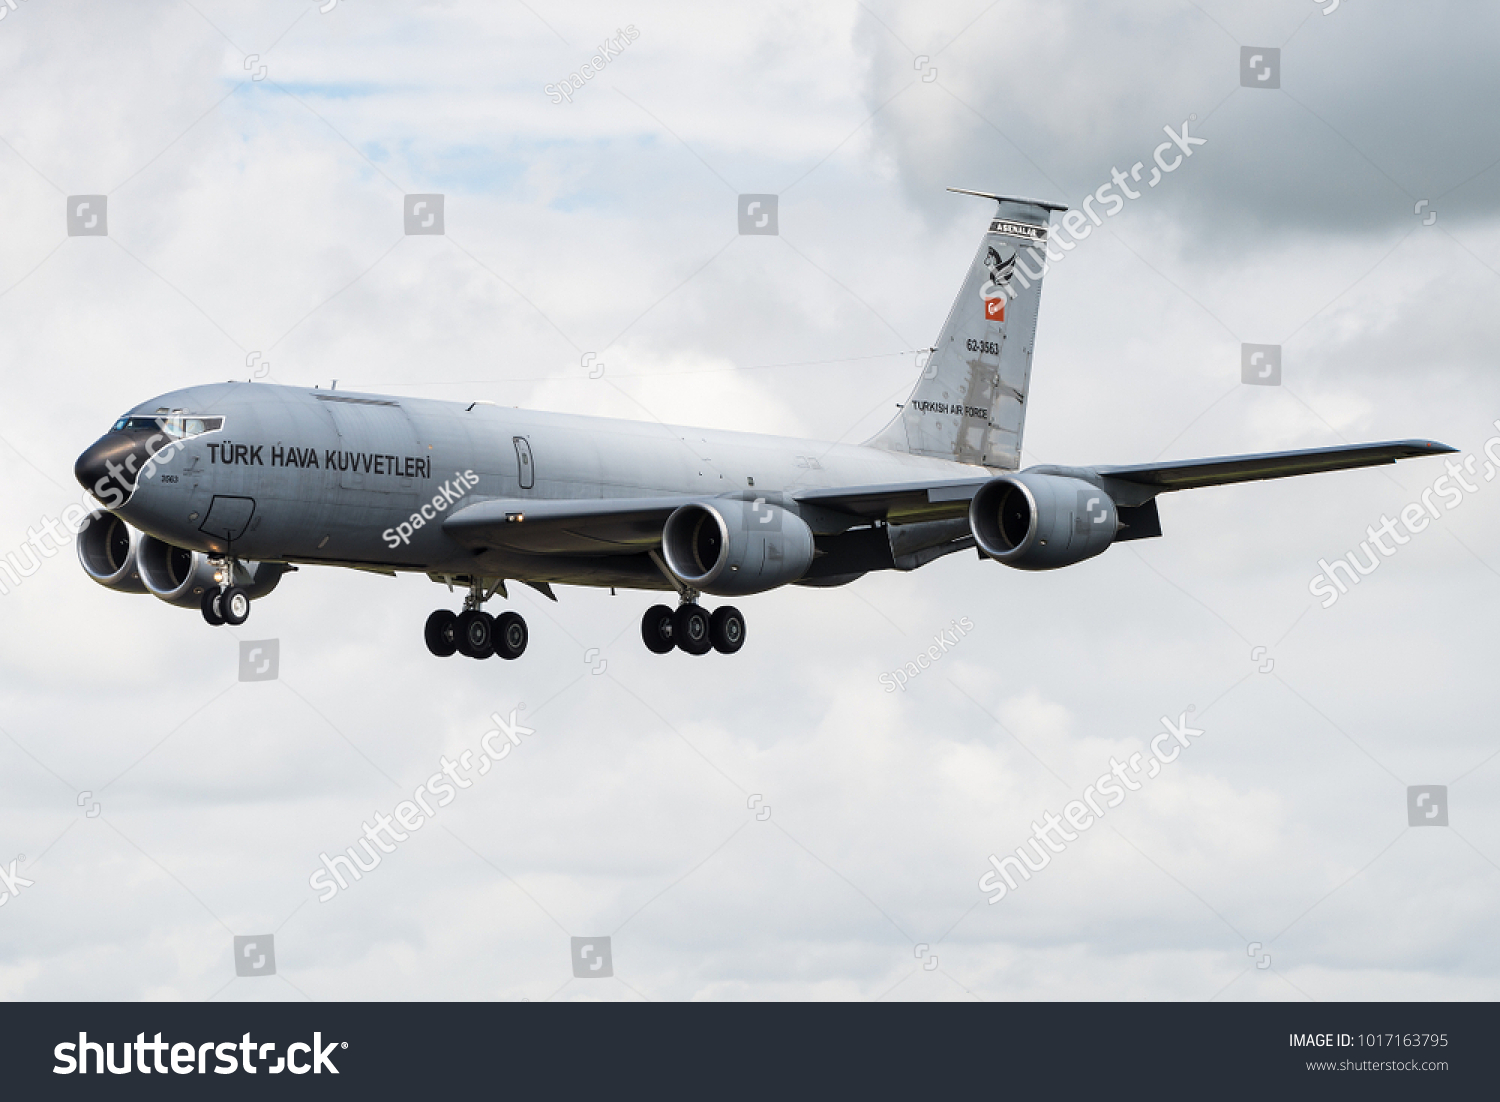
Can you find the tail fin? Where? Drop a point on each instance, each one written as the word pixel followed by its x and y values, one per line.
pixel 970 403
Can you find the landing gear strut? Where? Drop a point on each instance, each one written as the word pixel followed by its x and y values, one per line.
pixel 473 632
pixel 691 628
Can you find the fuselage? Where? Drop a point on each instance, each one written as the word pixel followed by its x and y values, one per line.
pixel 315 476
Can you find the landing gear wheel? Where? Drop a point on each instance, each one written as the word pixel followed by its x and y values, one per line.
pixel 510 635
pixel 690 629
pixel 440 632
pixel 210 607
pixel 726 629
pixel 656 629
pixel 474 634
pixel 234 606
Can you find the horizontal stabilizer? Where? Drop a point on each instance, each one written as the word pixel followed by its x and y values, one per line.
pixel 1042 203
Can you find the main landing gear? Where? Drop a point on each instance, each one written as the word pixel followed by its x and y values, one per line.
pixel 473 632
pixel 224 604
pixel 692 628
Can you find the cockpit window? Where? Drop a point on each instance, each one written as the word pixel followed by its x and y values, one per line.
pixel 177 426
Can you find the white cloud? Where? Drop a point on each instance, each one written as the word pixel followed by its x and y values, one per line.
pixel 593 227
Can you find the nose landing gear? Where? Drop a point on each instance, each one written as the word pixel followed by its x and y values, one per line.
pixel 473 632
pixel 224 604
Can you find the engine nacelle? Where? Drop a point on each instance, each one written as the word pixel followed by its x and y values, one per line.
pixel 179 576
pixel 734 547
pixel 108 549
pixel 1041 521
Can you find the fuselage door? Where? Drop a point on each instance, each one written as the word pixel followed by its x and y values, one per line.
pixel 525 468
pixel 376 442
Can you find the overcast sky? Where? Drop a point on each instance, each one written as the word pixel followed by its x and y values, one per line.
pixel 255 158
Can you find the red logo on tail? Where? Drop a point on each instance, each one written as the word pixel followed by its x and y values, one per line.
pixel 994 309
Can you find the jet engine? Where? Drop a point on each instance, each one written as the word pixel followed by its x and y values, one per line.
pixel 732 547
pixel 179 576
pixel 108 549
pixel 1040 521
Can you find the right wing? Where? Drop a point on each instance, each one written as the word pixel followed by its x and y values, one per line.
pixel 907 503
pixel 615 526
pixel 1187 474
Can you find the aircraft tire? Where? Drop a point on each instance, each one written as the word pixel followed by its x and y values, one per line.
pixel 510 636
pixel 210 607
pixel 656 630
pixel 234 606
pixel 726 629
pixel 440 633
pixel 474 634
pixel 690 627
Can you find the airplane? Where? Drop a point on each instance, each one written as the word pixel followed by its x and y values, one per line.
pixel 212 493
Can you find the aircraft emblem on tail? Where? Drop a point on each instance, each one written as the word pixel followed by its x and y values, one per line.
pixel 997 290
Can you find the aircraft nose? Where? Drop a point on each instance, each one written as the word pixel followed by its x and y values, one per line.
pixel 108 467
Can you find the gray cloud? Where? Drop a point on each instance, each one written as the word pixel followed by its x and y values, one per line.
pixel 1377 108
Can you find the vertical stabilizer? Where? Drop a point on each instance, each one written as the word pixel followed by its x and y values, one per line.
pixel 970 403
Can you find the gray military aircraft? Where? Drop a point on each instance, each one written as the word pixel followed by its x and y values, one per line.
pixel 213 492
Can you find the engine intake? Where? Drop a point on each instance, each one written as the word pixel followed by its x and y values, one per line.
pixel 179 576
pixel 1040 522
pixel 108 549
pixel 735 547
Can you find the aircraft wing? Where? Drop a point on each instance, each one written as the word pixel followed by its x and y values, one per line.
pixel 612 526
pixel 898 502
pixel 592 526
pixel 904 503
pixel 1186 474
